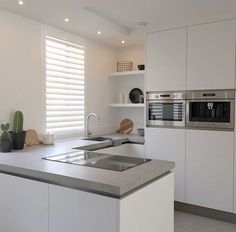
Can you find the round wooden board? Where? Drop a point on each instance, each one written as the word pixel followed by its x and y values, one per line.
pixel 126 126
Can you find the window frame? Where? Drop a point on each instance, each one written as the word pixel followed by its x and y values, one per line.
pixel 71 38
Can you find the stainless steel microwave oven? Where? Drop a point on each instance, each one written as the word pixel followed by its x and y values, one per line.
pixel 210 109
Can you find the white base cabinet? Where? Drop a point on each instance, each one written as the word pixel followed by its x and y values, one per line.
pixel 209 169
pixel 150 209
pixel 23 205
pixel 168 144
pixel 72 210
pixel 27 206
pixel 235 182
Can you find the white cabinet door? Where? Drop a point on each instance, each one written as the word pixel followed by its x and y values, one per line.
pixel 166 60
pixel 235 177
pixel 23 205
pixel 209 169
pixel 73 210
pixel 211 56
pixel 235 166
pixel 169 144
pixel 149 209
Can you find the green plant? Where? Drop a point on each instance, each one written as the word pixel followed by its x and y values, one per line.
pixel 5 136
pixel 18 122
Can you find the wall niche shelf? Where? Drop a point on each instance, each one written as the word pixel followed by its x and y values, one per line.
pixel 131 105
pixel 129 73
pixel 120 84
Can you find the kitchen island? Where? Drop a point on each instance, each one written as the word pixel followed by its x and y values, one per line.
pixel 40 195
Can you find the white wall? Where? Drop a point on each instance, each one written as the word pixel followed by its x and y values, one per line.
pixel 21 72
pixel 101 61
pixel 136 54
pixel 20 69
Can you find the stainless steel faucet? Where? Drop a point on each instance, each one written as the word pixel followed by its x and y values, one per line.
pixel 88 133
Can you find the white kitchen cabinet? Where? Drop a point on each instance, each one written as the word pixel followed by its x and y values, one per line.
pixel 211 56
pixel 235 166
pixel 209 169
pixel 23 205
pixel 169 144
pixel 234 177
pixel 74 210
pixel 166 60
pixel 150 208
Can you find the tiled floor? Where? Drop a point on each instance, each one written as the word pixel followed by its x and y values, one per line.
pixel 191 223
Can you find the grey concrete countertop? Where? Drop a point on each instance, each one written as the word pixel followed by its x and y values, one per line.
pixel 28 164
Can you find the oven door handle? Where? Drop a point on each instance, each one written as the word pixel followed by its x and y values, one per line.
pixel 165 101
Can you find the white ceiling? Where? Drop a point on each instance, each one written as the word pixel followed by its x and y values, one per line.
pixel 117 19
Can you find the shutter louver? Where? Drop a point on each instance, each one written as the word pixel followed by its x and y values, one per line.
pixel 64 86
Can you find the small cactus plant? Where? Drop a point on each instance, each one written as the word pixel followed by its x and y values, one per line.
pixel 18 122
pixel 5 136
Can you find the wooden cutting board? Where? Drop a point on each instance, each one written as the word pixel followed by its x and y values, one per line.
pixel 126 126
pixel 31 138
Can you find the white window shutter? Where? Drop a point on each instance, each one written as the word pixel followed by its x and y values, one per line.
pixel 64 86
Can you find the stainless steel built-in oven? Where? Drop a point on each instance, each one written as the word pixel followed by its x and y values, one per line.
pixel 213 109
pixel 165 109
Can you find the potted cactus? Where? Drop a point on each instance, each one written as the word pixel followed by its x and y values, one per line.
pixel 18 134
pixel 5 138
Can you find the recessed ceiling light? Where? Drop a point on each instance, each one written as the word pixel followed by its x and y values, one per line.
pixel 66 20
pixel 123 42
pixel 99 32
pixel 20 2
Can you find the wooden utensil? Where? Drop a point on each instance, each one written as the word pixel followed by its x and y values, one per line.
pixel 126 126
pixel 31 138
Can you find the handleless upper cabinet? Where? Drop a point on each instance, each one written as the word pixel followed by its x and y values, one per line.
pixel 166 60
pixel 211 56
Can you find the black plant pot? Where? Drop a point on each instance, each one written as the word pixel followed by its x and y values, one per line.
pixel 6 145
pixel 18 140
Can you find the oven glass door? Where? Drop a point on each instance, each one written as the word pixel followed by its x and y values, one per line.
pixel 210 113
pixel 166 113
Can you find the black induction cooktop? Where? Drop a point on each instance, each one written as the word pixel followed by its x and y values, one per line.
pixel 98 160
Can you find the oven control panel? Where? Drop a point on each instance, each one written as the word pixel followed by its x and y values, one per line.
pixel 165 95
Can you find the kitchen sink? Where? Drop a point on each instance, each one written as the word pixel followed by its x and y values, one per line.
pixel 98 139
pixel 98 160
